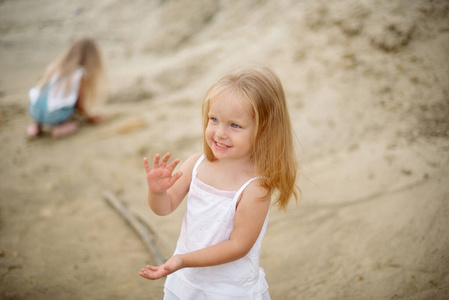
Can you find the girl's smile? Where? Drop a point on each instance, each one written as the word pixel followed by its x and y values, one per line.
pixel 221 146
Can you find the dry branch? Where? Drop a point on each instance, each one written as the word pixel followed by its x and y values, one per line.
pixel 138 227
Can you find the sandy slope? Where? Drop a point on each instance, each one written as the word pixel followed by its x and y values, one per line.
pixel 367 86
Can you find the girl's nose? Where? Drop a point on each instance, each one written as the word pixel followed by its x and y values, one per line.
pixel 221 132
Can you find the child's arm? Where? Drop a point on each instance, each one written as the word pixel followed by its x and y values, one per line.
pixel 165 189
pixel 249 220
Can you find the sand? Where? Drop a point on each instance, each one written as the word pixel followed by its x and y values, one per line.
pixel 367 84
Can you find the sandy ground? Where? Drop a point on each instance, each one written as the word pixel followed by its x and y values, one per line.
pixel 367 84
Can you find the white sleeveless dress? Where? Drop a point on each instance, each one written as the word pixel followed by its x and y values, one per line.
pixel 209 219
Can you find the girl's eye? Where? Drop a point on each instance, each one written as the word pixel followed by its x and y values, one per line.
pixel 214 120
pixel 235 125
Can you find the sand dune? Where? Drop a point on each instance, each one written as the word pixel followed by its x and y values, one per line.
pixel 368 93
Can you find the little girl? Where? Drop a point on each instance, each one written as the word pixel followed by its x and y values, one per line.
pixel 248 156
pixel 71 81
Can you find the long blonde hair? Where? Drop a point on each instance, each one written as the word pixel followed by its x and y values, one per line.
pixel 273 148
pixel 83 53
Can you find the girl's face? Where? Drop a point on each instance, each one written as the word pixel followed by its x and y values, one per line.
pixel 230 129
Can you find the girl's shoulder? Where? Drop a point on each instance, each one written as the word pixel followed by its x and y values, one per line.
pixel 257 189
pixel 192 159
pixel 189 164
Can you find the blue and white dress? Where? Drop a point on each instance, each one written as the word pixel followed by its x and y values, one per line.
pixel 50 104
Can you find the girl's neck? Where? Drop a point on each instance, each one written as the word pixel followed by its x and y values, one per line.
pixel 226 174
pixel 245 166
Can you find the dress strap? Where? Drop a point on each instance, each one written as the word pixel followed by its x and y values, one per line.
pixel 240 191
pixel 197 164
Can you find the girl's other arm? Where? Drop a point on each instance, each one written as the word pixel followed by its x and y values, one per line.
pixel 249 220
pixel 165 189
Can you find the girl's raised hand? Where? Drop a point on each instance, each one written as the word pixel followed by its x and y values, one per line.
pixel 161 177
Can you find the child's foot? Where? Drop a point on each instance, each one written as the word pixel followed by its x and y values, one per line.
pixel 64 129
pixel 33 130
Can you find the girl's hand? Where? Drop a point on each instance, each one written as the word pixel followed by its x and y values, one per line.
pixel 96 119
pixel 152 272
pixel 160 178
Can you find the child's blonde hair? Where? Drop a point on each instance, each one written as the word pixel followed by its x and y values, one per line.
pixel 273 150
pixel 83 53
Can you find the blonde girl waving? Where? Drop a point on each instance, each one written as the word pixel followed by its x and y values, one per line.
pixel 248 159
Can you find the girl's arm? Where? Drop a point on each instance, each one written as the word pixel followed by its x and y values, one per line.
pixel 249 220
pixel 165 189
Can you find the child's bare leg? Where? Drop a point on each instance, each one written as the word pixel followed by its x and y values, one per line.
pixel 33 130
pixel 64 129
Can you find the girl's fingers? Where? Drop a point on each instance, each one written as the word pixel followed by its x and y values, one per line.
pixel 144 271
pixel 145 163
pixel 165 160
pixel 156 161
pixel 152 268
pixel 175 177
pixel 171 167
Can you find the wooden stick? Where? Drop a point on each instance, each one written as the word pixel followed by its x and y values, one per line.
pixel 138 227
